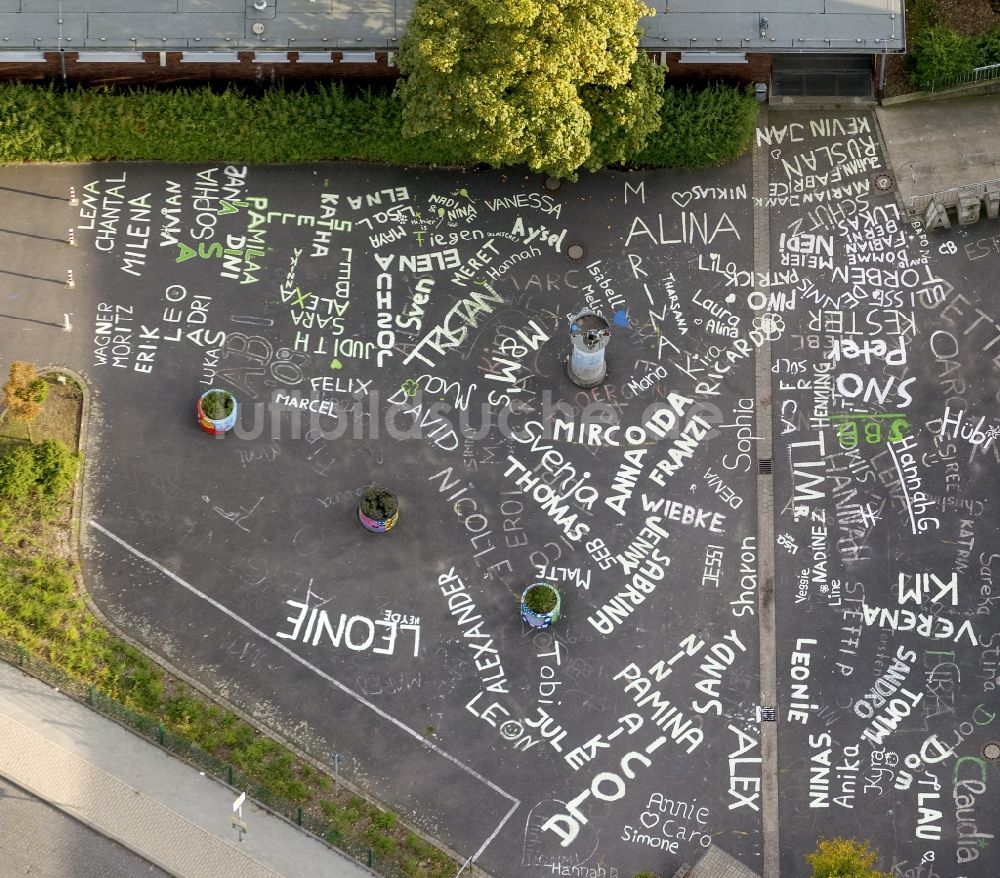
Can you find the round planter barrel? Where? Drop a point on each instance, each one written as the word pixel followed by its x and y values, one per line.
pixel 540 620
pixel 378 525
pixel 216 426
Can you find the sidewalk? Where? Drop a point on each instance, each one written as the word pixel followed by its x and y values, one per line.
pixel 939 145
pixel 125 788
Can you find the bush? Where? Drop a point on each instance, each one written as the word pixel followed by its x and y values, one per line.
pixel 843 858
pixel 540 599
pixel 321 123
pixel 988 48
pixel 940 54
pixel 42 611
pixel 56 468
pixel 217 404
pixel 197 125
pixel 701 128
pixel 18 474
pixel 379 503
pixel 381 844
pixel 24 391
pixel 45 470
pixel 383 819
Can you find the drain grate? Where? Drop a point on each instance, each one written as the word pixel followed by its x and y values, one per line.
pixel 764 466
pixel 768 714
pixel 575 251
pixel 882 182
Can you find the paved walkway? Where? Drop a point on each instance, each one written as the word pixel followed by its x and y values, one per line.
pixel 127 789
pixel 42 842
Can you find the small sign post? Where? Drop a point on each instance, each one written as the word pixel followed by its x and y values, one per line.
pixel 238 823
pixel 337 762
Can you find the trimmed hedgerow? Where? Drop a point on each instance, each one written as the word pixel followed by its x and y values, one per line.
pixel 322 123
pixel 42 124
pixel 701 128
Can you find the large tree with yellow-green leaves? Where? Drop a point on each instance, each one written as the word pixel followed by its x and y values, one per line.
pixel 554 84
pixel 844 858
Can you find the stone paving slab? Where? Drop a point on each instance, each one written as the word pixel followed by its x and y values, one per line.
pixel 43 842
pixel 130 791
pixel 113 807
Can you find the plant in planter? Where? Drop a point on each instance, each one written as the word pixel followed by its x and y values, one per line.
pixel 540 605
pixel 378 510
pixel 216 411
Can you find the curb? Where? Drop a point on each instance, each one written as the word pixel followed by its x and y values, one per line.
pixel 973 90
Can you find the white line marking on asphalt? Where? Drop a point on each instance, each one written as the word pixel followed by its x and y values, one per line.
pixel 345 689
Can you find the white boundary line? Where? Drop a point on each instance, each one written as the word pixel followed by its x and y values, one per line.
pixel 319 673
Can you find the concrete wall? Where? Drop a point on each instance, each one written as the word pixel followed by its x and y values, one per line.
pixel 757 69
pixel 277 67
pixel 168 67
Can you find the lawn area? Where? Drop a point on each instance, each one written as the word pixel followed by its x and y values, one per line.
pixel 45 619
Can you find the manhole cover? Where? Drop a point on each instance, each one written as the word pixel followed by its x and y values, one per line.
pixel 883 182
pixel 575 251
pixel 552 183
pixel 991 751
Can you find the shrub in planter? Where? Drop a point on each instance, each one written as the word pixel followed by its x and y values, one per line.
pixel 217 411
pixel 378 510
pixel 540 605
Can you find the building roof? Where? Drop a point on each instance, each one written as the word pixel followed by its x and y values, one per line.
pixel 695 25
pixel 776 25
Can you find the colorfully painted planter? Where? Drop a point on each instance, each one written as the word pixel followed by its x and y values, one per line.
pixel 378 525
pixel 540 620
pixel 211 425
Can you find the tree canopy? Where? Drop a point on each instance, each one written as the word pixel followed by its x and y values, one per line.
pixel 843 858
pixel 24 391
pixel 554 84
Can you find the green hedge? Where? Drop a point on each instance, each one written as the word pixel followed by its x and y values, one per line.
pixel 45 471
pixel 199 125
pixel 940 54
pixel 322 123
pixel 701 128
